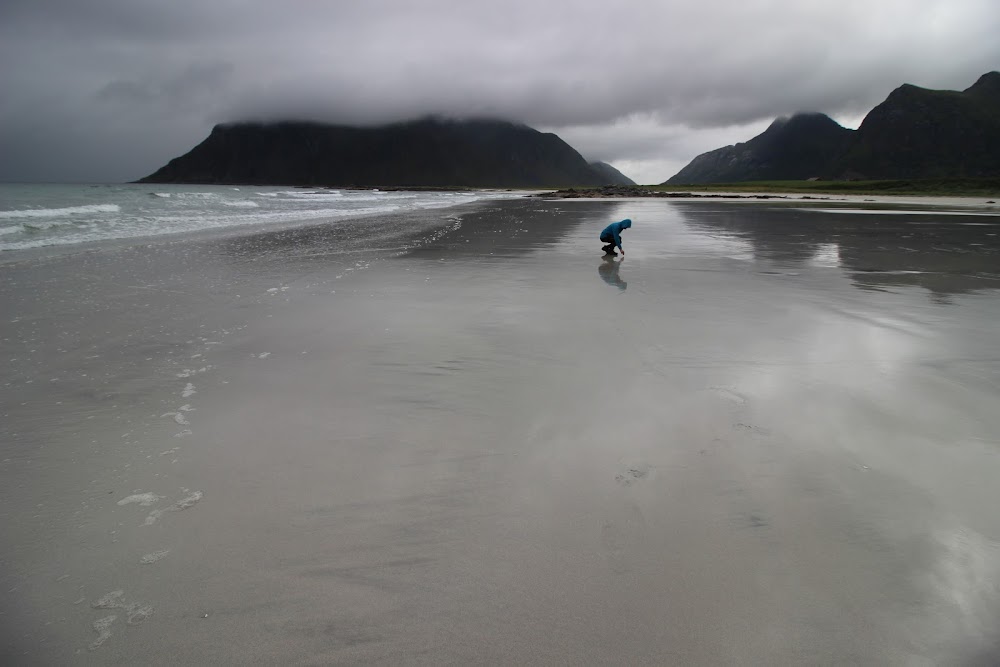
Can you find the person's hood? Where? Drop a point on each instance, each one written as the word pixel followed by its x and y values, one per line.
pixel 626 223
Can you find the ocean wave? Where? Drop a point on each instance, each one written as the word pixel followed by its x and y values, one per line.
pixel 171 223
pixel 445 203
pixel 163 225
pixel 196 195
pixel 57 212
pixel 311 195
pixel 145 213
pixel 44 225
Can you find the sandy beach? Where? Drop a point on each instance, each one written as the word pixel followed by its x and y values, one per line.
pixel 767 435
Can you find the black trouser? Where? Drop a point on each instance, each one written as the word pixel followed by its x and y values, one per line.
pixel 610 240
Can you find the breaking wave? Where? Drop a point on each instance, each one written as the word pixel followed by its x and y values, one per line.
pixel 57 212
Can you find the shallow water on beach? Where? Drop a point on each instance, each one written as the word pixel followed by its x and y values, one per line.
pixel 767 435
pixel 43 215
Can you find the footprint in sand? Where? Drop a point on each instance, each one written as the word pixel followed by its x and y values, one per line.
pixel 756 432
pixel 188 372
pixel 727 394
pixel 177 417
pixel 633 473
pixel 144 499
pixel 750 519
pixel 102 627
pixel 151 558
pixel 147 499
pixel 135 613
pixel 184 503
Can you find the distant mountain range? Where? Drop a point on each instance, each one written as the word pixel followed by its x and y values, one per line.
pixel 915 133
pixel 430 152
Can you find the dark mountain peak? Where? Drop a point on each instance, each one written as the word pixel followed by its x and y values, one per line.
pixel 777 124
pixel 430 121
pixel 923 133
pixel 467 123
pixel 814 118
pixel 907 89
pixel 801 119
pixel 610 175
pixel 792 147
pixel 803 122
pixel 987 85
pixel 426 152
pixel 915 133
pixel 909 96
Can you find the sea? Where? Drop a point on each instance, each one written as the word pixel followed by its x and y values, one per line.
pixel 44 215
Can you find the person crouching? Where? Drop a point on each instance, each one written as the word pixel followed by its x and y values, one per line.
pixel 611 235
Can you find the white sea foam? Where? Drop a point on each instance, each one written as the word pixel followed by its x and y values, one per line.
pixel 38 224
pixel 58 212
pixel 315 195
pixel 178 223
pixel 196 195
pixel 67 215
pixel 445 202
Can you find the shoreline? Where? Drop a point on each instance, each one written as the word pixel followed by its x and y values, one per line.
pixel 305 225
pixel 976 201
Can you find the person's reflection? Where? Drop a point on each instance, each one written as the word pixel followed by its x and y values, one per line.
pixel 609 272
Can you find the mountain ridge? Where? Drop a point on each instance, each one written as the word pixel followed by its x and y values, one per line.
pixel 801 144
pixel 611 175
pixel 427 152
pixel 914 133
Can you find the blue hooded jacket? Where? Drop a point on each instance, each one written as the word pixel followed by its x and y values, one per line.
pixel 612 233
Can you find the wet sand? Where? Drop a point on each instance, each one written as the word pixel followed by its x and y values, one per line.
pixel 768 435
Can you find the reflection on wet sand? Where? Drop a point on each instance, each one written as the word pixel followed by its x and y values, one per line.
pixel 468 454
pixel 945 254
pixel 608 269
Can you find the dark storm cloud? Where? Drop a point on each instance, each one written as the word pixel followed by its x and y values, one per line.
pixel 112 89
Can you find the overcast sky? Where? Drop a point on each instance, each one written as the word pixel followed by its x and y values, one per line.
pixel 110 90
